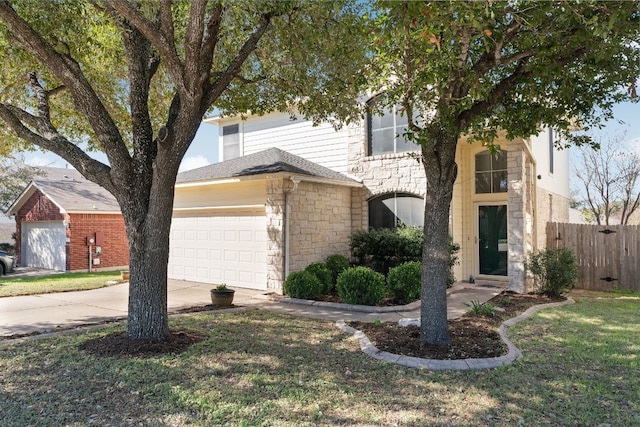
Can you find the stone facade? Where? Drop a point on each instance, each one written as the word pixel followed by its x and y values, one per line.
pixel 320 223
pixel 381 174
pixel 275 212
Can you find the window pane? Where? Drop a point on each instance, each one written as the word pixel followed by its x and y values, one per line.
pixel 230 142
pixel 500 161
pixel 380 214
pixel 483 182
pixel 231 129
pixel 410 210
pixel 392 210
pixel 483 162
pixel 382 141
pixel 500 182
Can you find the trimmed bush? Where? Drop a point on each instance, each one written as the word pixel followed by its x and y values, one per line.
pixel 336 264
pixel 555 271
pixel 385 248
pixel 323 274
pixel 302 284
pixel 361 285
pixel 405 281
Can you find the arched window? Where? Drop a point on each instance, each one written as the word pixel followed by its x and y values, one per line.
pixel 491 172
pixel 392 210
pixel 385 131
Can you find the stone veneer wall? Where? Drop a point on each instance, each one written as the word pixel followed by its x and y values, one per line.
pixel 520 215
pixel 274 210
pixel 319 223
pixel 381 174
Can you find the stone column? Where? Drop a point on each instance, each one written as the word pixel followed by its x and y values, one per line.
pixel 275 211
pixel 517 219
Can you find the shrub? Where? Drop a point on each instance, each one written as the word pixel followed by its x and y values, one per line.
pixel 361 285
pixel 479 309
pixel 323 274
pixel 336 264
pixel 302 284
pixel 385 248
pixel 405 281
pixel 554 270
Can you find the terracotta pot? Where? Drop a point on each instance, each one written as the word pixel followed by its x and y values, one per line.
pixel 222 297
pixel 124 275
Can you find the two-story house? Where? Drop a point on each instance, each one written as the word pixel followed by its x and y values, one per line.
pixel 287 193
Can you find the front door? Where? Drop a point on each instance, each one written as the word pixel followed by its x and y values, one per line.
pixel 492 240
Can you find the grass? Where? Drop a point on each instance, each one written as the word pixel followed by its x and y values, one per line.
pixel 580 367
pixel 14 286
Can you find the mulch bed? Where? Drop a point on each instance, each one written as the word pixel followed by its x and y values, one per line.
pixel 472 336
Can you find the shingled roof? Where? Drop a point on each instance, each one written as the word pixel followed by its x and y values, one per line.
pixel 268 161
pixel 70 191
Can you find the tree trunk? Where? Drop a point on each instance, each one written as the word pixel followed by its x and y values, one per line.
pixel 148 235
pixel 441 170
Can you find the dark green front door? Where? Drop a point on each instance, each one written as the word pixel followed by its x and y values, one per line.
pixel 492 240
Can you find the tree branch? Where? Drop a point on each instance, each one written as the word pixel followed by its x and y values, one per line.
pixel 87 166
pixel 69 73
pixel 234 67
pixel 211 37
pixel 193 44
pixel 160 39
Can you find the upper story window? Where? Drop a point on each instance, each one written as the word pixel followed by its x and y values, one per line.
pixel 392 210
pixel 491 172
pixel 385 132
pixel 230 142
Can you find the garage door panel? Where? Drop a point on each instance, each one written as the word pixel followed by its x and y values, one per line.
pixel 220 246
pixel 44 245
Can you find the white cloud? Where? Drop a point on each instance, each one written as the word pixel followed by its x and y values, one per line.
pixel 36 160
pixel 193 162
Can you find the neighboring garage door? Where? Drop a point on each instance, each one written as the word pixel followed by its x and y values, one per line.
pixel 216 247
pixel 44 245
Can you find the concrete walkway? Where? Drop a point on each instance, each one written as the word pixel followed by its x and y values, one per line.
pixel 46 313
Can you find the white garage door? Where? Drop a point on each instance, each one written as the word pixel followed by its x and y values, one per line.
pixel 220 247
pixel 44 245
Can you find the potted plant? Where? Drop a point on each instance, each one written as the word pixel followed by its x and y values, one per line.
pixel 222 295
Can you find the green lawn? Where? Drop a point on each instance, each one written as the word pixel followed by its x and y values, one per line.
pixel 580 367
pixel 10 287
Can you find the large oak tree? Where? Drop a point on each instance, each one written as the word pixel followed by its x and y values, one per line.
pixel 134 80
pixel 474 68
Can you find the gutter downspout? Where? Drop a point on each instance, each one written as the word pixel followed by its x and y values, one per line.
pixel 285 261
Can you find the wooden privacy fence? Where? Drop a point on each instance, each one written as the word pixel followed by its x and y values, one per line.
pixel 608 255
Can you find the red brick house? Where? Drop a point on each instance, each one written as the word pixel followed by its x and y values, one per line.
pixel 67 223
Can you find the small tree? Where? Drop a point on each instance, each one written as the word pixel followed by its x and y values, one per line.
pixel 610 181
pixel 555 271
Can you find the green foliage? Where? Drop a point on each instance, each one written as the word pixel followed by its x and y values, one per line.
pixel 13 180
pixel 480 309
pixel 361 285
pixel 302 284
pixel 555 270
pixel 405 281
pixel 336 264
pixel 323 274
pixel 385 248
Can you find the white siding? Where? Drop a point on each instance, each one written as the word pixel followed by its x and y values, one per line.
pixel 558 181
pixel 321 144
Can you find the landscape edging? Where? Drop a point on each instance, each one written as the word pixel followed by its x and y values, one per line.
pixel 452 365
